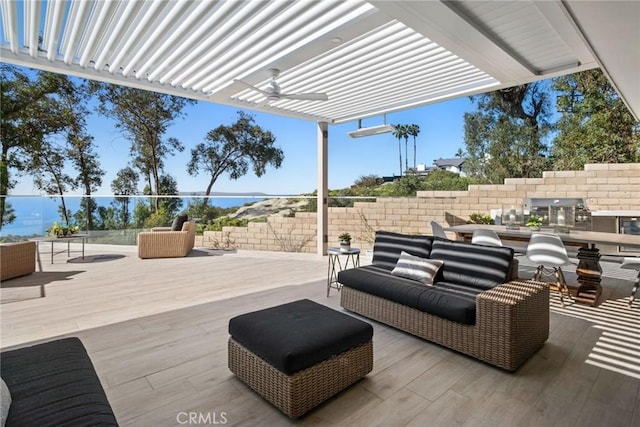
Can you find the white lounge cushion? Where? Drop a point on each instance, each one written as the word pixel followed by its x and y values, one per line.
pixel 416 268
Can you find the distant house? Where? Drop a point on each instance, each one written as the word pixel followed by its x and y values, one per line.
pixel 454 165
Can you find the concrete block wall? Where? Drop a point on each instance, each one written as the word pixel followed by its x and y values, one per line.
pixel 285 234
pixel 604 186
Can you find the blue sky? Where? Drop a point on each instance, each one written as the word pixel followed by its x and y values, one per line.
pixel 441 135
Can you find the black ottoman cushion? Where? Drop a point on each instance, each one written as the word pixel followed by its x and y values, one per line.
pixel 297 335
pixel 54 384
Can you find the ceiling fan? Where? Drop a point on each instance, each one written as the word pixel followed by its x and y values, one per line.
pixel 273 91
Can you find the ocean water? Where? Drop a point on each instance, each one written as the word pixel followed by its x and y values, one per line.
pixel 34 215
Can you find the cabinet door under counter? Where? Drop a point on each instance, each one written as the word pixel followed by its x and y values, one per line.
pixel 620 222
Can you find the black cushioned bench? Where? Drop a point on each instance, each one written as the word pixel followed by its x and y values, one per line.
pixel 54 384
pixel 299 354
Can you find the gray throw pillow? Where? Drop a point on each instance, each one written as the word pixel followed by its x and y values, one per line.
pixel 5 402
pixel 178 222
pixel 416 268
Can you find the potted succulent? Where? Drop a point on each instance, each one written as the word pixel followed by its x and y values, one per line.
pixel 345 242
pixel 534 222
pixel 58 230
pixel 480 218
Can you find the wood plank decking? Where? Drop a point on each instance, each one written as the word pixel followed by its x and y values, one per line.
pixel 156 331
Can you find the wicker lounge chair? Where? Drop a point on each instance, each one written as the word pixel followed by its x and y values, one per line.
pixel 161 242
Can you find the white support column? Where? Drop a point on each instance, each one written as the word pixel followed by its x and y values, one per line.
pixel 323 189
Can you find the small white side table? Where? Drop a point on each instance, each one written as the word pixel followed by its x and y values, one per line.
pixel 335 265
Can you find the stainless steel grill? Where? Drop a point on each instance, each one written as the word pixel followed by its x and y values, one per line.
pixel 559 212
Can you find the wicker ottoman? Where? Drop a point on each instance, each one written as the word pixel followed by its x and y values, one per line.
pixel 299 354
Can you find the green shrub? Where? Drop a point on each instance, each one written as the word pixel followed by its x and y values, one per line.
pixel 368 181
pixel 225 221
pixel 480 218
pixel 159 218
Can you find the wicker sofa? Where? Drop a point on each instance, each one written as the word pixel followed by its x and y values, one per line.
pixel 473 306
pixel 162 242
pixel 17 259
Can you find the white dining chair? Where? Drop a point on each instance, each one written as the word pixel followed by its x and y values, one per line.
pixel 548 251
pixel 483 236
pixel 437 230
pixel 632 264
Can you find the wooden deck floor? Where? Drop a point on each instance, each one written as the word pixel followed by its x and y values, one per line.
pixel 156 331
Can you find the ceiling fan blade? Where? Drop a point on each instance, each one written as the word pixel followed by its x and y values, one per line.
pixel 306 96
pixel 252 87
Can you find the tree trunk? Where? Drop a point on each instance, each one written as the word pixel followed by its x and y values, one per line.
pixel 406 154
pixel 156 178
pixel 63 205
pixel 4 181
pixel 400 153
pixel 208 192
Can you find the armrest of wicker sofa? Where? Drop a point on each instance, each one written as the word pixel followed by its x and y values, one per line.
pixel 514 315
pixel 17 259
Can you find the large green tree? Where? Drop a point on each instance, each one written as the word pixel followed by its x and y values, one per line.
pixel 32 113
pixel 143 117
pixel 595 126
pixel 146 215
pixel 505 137
pixel 81 152
pixel 233 150
pixel 413 130
pixel 47 168
pixel 49 157
pixel 400 132
pixel 125 184
pixel 85 160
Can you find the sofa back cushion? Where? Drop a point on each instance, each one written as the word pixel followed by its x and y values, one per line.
pixel 388 245
pixel 178 221
pixel 478 266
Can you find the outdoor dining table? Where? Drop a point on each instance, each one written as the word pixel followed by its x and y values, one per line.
pixel 589 271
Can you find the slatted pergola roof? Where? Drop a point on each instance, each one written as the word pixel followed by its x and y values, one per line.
pixel 370 57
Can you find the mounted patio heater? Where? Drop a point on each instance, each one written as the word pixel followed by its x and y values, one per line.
pixel 372 130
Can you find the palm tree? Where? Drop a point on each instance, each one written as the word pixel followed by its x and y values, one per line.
pixel 414 130
pixel 405 135
pixel 400 132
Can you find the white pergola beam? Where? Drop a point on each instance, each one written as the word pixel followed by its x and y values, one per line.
pixel 322 210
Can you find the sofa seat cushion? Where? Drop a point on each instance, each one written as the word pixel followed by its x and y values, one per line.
pixel 54 384
pixel 388 246
pixel 474 266
pixel 449 301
